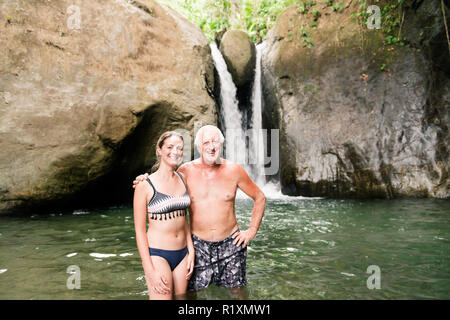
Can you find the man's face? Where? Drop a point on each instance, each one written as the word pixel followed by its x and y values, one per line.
pixel 211 147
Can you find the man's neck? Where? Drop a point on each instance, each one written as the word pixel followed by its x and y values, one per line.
pixel 214 165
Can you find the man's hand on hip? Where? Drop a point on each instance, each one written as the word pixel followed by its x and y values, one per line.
pixel 243 237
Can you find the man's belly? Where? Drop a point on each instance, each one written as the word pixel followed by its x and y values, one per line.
pixel 212 221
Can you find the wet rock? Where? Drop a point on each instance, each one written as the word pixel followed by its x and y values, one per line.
pixel 240 56
pixel 357 118
pixel 239 53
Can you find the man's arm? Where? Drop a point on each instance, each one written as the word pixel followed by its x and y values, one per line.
pixel 251 189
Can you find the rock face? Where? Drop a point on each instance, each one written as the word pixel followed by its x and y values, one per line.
pixel 85 92
pixel 358 118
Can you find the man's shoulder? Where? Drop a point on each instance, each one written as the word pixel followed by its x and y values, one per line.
pixel 186 166
pixel 230 164
pixel 196 164
pixel 233 167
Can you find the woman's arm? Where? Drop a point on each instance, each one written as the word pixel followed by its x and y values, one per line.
pixel 154 280
pixel 190 245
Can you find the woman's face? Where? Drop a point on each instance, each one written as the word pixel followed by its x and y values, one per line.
pixel 172 151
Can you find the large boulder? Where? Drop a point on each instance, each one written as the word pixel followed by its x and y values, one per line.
pixel 357 117
pixel 239 54
pixel 86 88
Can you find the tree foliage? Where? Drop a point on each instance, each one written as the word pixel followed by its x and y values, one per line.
pixel 214 17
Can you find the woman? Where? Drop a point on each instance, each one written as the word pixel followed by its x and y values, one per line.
pixel 166 249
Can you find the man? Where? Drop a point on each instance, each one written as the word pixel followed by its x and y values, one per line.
pixel 212 183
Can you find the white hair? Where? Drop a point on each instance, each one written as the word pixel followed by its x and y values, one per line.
pixel 199 136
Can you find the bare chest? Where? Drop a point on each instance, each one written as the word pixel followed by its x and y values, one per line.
pixel 212 188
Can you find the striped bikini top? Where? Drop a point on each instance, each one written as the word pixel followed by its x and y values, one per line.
pixel 163 204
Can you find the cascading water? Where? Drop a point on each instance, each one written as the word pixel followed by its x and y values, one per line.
pixel 251 158
pixel 235 144
pixel 256 145
pixel 257 142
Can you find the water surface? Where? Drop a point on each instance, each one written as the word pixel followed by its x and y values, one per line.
pixel 305 249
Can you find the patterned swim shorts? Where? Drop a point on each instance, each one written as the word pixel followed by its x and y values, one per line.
pixel 219 261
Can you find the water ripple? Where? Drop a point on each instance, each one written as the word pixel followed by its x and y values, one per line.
pixel 305 249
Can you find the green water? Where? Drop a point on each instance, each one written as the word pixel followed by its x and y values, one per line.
pixel 305 249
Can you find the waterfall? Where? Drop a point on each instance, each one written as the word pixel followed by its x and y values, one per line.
pixel 256 145
pixel 235 141
pixel 251 158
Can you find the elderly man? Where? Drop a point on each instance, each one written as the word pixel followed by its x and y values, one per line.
pixel 212 183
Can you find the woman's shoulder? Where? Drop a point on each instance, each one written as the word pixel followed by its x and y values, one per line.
pixel 144 191
pixel 143 186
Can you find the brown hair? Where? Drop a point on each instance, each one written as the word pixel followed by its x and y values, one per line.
pixel 160 144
